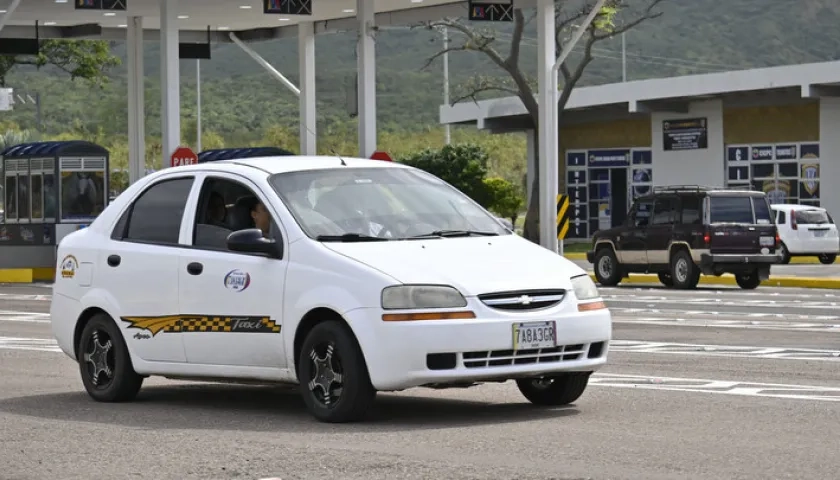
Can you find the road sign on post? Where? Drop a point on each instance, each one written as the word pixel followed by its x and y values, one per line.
pixel 183 156
pixel 491 10
pixel 563 214
pixel 380 155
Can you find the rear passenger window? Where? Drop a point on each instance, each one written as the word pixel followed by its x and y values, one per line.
pixel 155 217
pixel 782 218
pixel 663 211
pixel 730 209
pixel 691 211
pixel 762 211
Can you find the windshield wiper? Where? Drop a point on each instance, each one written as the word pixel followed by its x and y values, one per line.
pixel 456 233
pixel 350 237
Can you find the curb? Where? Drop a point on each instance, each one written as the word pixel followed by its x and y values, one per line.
pixel 580 256
pixel 727 279
pixel 26 275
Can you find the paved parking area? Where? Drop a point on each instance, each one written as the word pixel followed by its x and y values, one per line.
pixel 715 383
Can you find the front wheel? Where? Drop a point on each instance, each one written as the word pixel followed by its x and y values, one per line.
pixel 748 281
pixel 104 362
pixel 555 390
pixel 827 259
pixel 333 376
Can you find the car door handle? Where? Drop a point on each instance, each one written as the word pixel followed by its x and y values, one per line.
pixel 195 268
pixel 114 260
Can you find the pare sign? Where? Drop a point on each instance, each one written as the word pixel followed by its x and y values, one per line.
pixel 183 156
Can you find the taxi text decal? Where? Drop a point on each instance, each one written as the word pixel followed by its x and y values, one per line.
pixel 203 323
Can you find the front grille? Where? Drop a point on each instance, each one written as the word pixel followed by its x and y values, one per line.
pixel 523 299
pixel 498 358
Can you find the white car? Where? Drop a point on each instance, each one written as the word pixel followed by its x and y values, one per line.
pixel 345 276
pixel 806 230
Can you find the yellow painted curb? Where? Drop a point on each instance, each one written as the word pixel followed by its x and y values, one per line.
pixel 774 281
pixel 26 275
pixel 794 260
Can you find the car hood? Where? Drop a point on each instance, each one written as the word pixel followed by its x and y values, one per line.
pixel 474 265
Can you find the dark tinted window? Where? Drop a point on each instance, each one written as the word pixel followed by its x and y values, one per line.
pixel 731 209
pixel 818 217
pixel 663 211
pixel 641 214
pixel 690 209
pixel 782 219
pixel 156 216
pixel 762 210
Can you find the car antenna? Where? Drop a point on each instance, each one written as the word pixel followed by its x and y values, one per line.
pixel 332 150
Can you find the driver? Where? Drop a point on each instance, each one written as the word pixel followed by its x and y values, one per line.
pixel 259 215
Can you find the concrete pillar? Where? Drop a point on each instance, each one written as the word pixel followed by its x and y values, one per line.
pixel 306 58
pixel 136 105
pixel 546 56
pixel 829 155
pixel 170 80
pixel 367 78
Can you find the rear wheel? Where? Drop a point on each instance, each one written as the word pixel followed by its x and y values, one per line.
pixel 607 269
pixel 785 254
pixel 555 390
pixel 684 273
pixel 104 362
pixel 666 279
pixel 333 376
pixel 748 281
pixel 827 259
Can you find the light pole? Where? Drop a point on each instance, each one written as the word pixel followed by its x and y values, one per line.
pixel 446 79
pixel 198 105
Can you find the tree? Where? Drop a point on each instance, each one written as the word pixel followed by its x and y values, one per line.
pixel 505 198
pixel 615 18
pixel 86 59
pixel 463 166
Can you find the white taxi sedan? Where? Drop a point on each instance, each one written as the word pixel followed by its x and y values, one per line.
pixel 345 276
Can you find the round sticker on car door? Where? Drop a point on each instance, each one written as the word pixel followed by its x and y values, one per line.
pixel 237 280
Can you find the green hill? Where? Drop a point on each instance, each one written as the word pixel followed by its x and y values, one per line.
pixel 240 100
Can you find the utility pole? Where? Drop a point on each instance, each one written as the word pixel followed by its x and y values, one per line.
pixel 623 58
pixel 446 79
pixel 197 105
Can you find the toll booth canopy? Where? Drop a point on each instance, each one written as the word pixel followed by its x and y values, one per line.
pixel 220 154
pixel 54 182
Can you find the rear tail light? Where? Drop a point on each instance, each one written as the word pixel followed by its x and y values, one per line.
pixel 707 238
pixel 793 225
pixel 778 240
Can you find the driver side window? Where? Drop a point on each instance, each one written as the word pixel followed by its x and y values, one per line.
pixel 226 206
pixel 641 213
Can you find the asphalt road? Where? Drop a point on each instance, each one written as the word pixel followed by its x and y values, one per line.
pixel 711 384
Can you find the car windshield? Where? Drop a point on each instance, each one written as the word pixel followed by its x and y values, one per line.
pixel 354 204
pixel 812 217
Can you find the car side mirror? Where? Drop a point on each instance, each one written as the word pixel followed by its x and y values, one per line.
pixel 251 240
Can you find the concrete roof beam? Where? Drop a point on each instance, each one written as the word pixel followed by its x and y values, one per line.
pixel 664 106
pixel 818 91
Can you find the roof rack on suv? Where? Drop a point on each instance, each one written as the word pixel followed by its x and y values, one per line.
pixel 698 188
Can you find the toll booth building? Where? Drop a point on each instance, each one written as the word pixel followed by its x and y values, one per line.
pixel 771 129
pixel 49 190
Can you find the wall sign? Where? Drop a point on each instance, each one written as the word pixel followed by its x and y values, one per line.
pixel 287 7
pixel 491 10
pixel 101 4
pixel 685 134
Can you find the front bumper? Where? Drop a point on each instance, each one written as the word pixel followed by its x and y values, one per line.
pixel 402 355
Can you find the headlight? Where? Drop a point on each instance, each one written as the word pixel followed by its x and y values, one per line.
pixel 585 288
pixel 407 297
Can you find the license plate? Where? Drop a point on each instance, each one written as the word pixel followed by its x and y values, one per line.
pixel 768 241
pixel 819 233
pixel 534 335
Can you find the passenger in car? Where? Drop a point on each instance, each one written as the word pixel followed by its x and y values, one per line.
pixel 216 210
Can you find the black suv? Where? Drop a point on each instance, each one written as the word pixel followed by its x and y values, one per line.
pixel 680 232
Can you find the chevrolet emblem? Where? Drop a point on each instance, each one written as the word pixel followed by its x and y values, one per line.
pixel 525 300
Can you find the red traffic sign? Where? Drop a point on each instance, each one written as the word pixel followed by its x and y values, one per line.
pixel 380 155
pixel 183 156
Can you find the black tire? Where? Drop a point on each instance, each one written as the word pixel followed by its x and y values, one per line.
pixel 666 279
pixel 785 254
pixel 104 363
pixel 607 268
pixel 748 281
pixel 556 390
pixel 346 399
pixel 684 273
pixel 827 259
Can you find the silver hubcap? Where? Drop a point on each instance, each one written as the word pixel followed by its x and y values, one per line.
pixel 327 380
pixel 681 270
pixel 99 362
pixel 605 267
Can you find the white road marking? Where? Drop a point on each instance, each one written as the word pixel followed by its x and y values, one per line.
pixel 652 301
pixel 34 344
pixel 634 346
pixel 742 324
pixel 24 317
pixel 725 387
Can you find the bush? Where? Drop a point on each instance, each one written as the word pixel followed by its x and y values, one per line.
pixel 464 166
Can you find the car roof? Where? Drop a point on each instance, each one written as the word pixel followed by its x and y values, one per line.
pixel 793 206
pixel 292 163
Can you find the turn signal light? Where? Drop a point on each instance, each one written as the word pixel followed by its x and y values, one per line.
pixel 588 307
pixel 410 317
